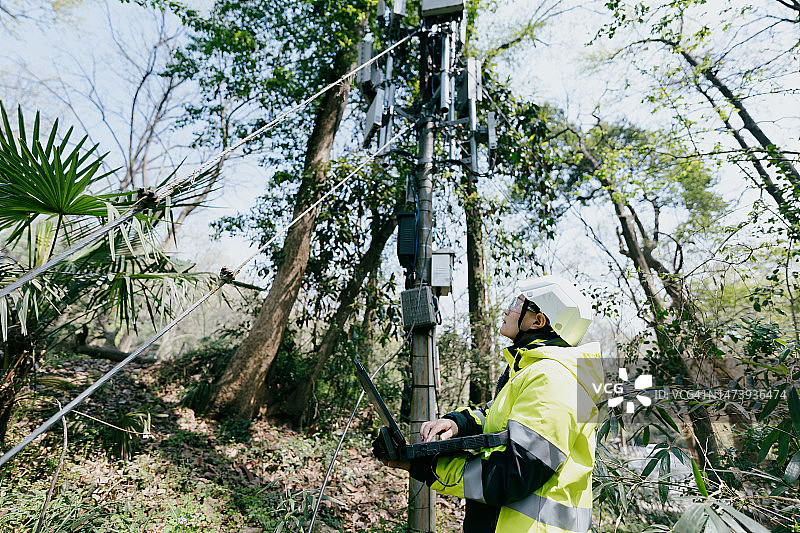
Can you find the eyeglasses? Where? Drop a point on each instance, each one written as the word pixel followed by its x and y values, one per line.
pixel 516 305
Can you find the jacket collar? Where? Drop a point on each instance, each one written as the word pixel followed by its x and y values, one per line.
pixel 518 357
pixel 591 371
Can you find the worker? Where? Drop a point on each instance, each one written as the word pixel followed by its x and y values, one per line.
pixel 541 481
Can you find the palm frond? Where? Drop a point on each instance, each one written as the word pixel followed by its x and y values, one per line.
pixel 44 180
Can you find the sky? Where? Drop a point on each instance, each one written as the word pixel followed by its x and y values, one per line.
pixel 557 68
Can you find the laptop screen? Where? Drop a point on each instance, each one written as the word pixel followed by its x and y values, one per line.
pixel 377 402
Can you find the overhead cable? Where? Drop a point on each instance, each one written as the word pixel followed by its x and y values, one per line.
pixel 86 241
pixel 169 188
pixel 224 279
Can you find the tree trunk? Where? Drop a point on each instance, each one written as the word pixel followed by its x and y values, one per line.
pixel 480 385
pixel 238 391
pixel 296 404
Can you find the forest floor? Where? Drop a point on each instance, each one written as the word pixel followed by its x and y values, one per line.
pixel 187 473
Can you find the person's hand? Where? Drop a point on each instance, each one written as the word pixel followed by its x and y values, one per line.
pixel 380 451
pixel 444 427
pixel 405 465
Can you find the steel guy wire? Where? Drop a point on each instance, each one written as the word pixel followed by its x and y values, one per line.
pixel 323 197
pixel 280 118
pixel 347 427
pixel 169 188
pixel 102 381
pixel 223 281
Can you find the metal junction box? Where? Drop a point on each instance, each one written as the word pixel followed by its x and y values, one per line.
pixel 442 270
pixel 418 308
pixel 406 238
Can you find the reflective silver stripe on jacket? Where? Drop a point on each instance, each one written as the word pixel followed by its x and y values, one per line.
pixel 473 480
pixel 479 416
pixel 539 446
pixel 552 513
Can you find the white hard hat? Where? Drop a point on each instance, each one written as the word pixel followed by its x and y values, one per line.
pixel 569 311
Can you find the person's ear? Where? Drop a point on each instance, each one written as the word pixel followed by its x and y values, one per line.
pixel 539 321
pixel 533 321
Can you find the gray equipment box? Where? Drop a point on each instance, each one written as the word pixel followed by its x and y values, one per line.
pixel 432 8
pixel 418 308
pixel 374 117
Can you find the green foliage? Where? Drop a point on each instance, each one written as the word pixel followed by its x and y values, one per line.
pixel 650 167
pixel 766 461
pixel 49 179
pixel 69 511
pixel 265 56
pixel 459 365
pixel 203 366
pixel 122 441
pixel 197 396
pixel 232 430
pixel 44 178
pixel 716 516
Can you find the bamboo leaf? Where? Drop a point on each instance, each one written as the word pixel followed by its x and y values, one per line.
pixel 663 474
pixel 732 523
pixel 667 418
pixel 652 464
pixel 751 525
pixel 792 469
pixel 794 409
pixel 771 403
pixel 698 479
pixel 692 520
pixel 767 443
pixel 715 523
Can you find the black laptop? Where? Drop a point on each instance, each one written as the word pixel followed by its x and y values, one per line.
pixel 396 444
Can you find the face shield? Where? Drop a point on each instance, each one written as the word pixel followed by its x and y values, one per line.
pixel 521 305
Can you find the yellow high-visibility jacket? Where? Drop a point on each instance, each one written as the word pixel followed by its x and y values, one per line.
pixel 541 482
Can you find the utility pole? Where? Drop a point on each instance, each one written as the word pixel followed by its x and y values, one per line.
pixel 449 89
pixel 422 500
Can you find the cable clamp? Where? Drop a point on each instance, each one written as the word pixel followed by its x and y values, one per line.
pixel 226 274
pixel 147 197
